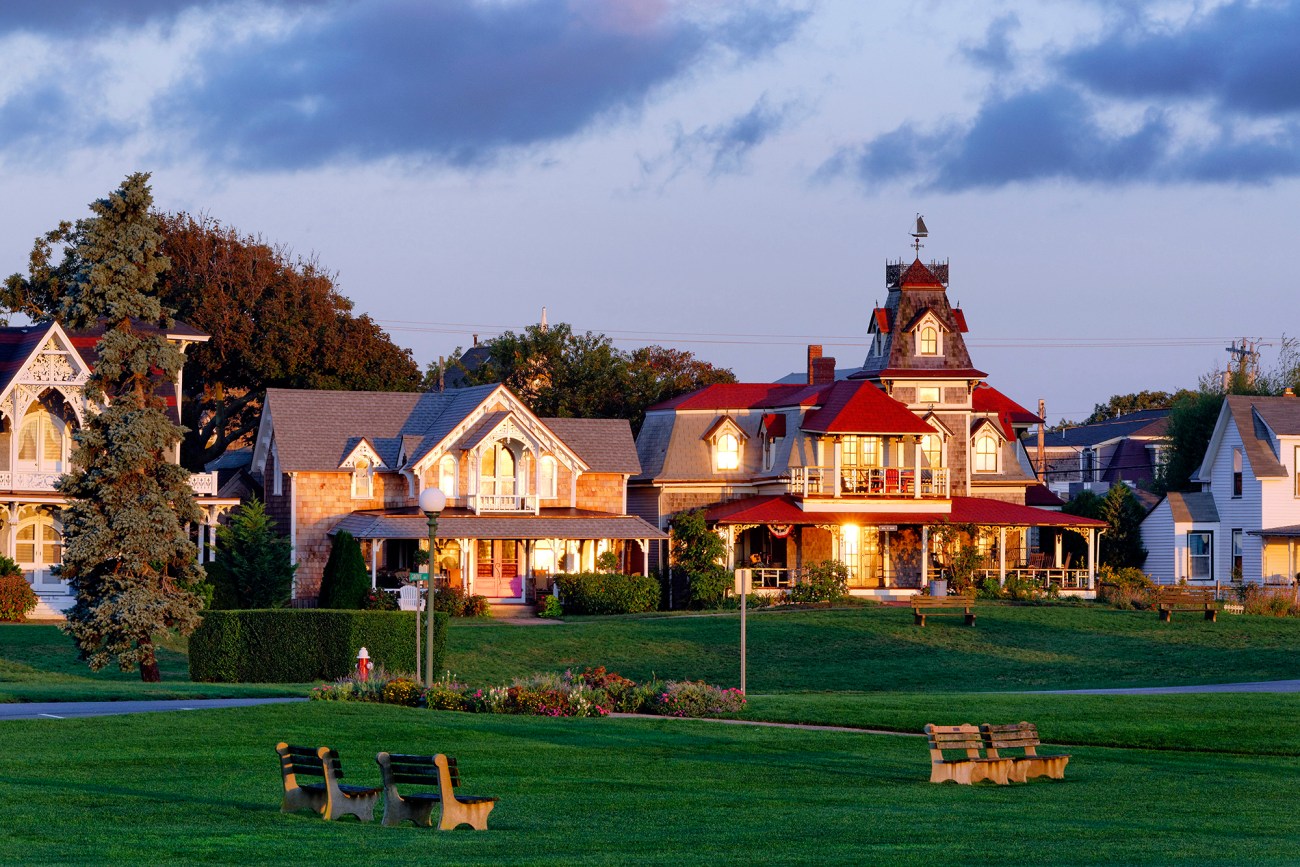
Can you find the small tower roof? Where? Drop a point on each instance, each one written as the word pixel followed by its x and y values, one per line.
pixel 918 276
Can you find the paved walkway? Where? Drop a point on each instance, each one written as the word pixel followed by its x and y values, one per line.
pixel 1258 686
pixel 74 709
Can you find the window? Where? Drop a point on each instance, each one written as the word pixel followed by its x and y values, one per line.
pixel 1236 473
pixel 547 483
pixel 1236 555
pixel 362 482
pixel 447 475
pixel 769 451
pixel 986 454
pixel 497 476
pixel 40 546
pixel 1088 464
pixel 928 341
pixel 927 394
pixel 728 452
pixel 932 448
pixel 1200 546
pixel 856 451
pixel 41 441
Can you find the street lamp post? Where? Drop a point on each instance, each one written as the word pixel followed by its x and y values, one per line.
pixel 432 502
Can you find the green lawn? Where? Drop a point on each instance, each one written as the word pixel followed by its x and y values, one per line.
pixel 205 787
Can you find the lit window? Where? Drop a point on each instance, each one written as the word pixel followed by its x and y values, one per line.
pixel 447 476
pixel 927 394
pixel 362 482
pixel 1237 558
pixel 1236 473
pixel 41 441
pixel 929 340
pixel 986 454
pixel 497 472
pixel 728 452
pixel 547 484
pixel 1200 546
pixel 932 448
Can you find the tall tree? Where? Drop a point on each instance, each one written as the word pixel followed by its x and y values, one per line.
pixel 275 320
pixel 1121 544
pixel 1122 404
pixel 126 553
pixel 253 568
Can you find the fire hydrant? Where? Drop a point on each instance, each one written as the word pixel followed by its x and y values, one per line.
pixel 363 665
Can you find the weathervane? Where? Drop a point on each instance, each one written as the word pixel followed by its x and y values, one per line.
pixel 921 232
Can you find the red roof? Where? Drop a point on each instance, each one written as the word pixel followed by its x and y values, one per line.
pixel 960 316
pixel 882 319
pixel 920 277
pixel 988 399
pixel 858 407
pixel 1041 495
pixel 965 510
pixel 921 373
pixel 746 395
pixel 774 424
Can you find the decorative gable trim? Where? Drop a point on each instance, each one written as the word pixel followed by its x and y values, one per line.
pixel 724 424
pixel 362 451
pixel 979 424
pixel 54 363
pixel 933 420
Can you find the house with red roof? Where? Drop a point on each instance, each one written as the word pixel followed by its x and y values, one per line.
pixel 43 374
pixel 860 469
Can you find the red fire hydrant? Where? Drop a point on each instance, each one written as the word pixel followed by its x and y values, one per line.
pixel 363 665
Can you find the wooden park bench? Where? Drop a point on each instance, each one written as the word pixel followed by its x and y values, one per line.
pixel 923 606
pixel 1022 736
pixel 969 766
pixel 330 798
pixel 418 806
pixel 1181 598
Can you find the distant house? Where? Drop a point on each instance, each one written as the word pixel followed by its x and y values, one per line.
pixel 1245 521
pixel 1092 457
pixel 527 497
pixel 861 469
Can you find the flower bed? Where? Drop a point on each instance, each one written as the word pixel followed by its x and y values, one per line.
pixel 594 692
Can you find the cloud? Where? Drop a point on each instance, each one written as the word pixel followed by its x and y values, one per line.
pixel 724 148
pixel 81 16
pixel 994 53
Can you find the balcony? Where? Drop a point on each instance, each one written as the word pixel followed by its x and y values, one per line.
pixel 202 483
pixel 481 503
pixel 855 482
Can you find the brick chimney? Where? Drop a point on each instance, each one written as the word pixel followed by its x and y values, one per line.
pixel 814 353
pixel 823 371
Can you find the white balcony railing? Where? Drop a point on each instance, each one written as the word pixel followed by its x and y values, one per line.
pixel 502 502
pixel 868 482
pixel 202 483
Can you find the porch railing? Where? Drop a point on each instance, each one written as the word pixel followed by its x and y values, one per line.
pixel 869 481
pixel 1045 576
pixel 201 483
pixel 502 502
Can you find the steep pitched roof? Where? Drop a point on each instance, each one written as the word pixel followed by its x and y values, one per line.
pixel 1246 412
pixel 1197 508
pixel 1147 423
pixel 16 346
pixel 881 317
pixel 857 406
pixel 746 395
pixel 987 399
pixel 918 275
pixel 604 444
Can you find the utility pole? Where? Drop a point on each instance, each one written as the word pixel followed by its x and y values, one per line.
pixel 1042 425
pixel 1247 360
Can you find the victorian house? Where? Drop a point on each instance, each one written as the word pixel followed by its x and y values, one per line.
pixel 863 469
pixel 527 497
pixel 43 373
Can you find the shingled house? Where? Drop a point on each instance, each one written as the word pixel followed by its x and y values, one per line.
pixel 1128 448
pixel 862 469
pixel 526 497
pixel 43 374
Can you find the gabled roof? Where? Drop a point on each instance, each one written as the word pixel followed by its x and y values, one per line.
pixel 959 316
pixel 774 424
pixel 858 407
pixel 1193 508
pixel 1254 418
pixel 605 444
pixel 987 399
pixel 724 421
pixel 746 395
pixel 1146 423
pixel 919 276
pixel 977 423
pixel 922 313
pixel 16 347
pixel 881 318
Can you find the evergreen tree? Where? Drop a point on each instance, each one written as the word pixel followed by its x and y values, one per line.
pixel 253 569
pixel 345 581
pixel 1121 545
pixel 126 553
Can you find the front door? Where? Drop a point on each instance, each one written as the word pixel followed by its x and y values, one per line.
pixel 497 575
pixel 39 548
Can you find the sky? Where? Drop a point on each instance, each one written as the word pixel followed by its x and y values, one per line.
pixel 1112 182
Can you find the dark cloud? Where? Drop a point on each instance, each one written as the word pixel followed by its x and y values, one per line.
pixel 994 53
pixel 725 147
pixel 455 80
pixel 1241 56
pixel 55 17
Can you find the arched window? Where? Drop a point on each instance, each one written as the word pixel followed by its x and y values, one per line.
pixel 447 475
pixel 362 482
pixel 42 441
pixel 932 449
pixel 546 486
pixel 497 472
pixel 728 452
pixel 929 341
pixel 986 454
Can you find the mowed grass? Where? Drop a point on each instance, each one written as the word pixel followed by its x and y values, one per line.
pixel 191 787
pixel 878 649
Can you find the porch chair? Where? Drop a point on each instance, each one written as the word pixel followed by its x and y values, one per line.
pixel 408 598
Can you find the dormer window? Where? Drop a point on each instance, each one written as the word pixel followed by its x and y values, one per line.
pixel 726 443
pixel 986 453
pixel 727 452
pixel 363 487
pixel 928 340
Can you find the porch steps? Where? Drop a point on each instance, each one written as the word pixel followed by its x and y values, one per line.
pixel 510 611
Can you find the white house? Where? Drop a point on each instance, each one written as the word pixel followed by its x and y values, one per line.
pixel 1244 523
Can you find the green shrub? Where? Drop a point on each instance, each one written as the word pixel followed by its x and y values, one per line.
pixel 709 586
pixel 16 597
pixel 548 606
pixel 1268 601
pixel 403 691
pixel 9 566
pixel 456 602
pixel 1125 588
pixel 289 645
pixel 345 581
pixel 827 581
pixel 253 568
pixel 379 600
pixel 605 593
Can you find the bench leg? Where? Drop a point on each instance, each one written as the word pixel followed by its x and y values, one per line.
pixel 1165 615
pixel 361 806
pixel 918 618
pixel 1212 615
pixel 296 799
pixel 397 810
pixel 456 813
pixel 970 619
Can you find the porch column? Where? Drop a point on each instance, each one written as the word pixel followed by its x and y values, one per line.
pixel 374 563
pixel 1056 561
pixel 1092 558
pixel 731 548
pixel 925 557
pixel 916 468
pixel 1002 556
pixel 835 463
pixel 645 556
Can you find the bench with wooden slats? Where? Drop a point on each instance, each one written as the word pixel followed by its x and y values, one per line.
pixel 1181 598
pixel 330 798
pixel 956 606
pixel 418 807
pixel 1022 736
pixel 969 766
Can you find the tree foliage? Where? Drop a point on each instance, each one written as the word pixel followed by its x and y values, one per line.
pixel 563 374
pixel 275 320
pixel 1121 545
pixel 126 553
pixel 253 568
pixel 345 581
pixel 698 551
pixel 1123 404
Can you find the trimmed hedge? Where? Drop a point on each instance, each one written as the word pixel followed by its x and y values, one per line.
pixel 288 645
pixel 607 593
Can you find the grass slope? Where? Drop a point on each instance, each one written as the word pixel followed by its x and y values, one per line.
pixel 205 787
